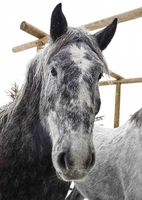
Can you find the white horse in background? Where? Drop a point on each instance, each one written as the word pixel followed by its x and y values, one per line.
pixel 117 174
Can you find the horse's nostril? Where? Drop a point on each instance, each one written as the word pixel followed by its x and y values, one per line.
pixel 62 161
pixel 92 160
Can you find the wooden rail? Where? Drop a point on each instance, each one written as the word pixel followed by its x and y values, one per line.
pixel 133 14
pixel 29 45
pixel 121 81
pixel 123 17
pixel 118 84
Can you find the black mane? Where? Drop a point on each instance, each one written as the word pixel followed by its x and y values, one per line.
pixel 26 169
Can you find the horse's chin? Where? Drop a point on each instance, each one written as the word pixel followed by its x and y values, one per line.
pixel 71 177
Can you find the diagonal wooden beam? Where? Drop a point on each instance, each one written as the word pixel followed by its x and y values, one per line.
pixel 32 30
pixel 115 75
pixel 123 17
pixel 133 14
pixel 29 45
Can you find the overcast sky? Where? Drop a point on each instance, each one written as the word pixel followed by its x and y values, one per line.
pixel 123 55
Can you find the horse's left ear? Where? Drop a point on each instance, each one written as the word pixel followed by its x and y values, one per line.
pixel 58 25
pixel 104 36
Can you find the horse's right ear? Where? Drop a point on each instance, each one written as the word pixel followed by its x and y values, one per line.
pixel 59 24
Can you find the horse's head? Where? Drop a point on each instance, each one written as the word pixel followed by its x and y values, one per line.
pixel 73 64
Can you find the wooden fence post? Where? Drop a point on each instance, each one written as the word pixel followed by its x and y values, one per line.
pixel 117 105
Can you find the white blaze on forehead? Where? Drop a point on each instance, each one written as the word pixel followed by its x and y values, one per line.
pixel 84 94
pixel 78 56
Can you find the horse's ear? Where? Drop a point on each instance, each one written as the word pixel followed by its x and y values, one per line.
pixel 58 23
pixel 104 36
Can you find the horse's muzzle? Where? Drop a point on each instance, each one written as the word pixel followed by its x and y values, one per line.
pixel 70 169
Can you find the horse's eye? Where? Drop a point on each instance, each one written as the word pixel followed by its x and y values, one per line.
pixel 53 72
pixel 100 76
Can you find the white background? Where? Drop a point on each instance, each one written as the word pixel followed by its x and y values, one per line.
pixel 123 55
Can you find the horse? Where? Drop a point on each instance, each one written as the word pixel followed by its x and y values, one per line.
pixel 117 174
pixel 46 133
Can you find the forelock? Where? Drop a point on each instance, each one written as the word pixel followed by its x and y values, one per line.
pixel 73 35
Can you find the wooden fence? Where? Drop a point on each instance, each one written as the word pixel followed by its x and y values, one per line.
pixel 119 80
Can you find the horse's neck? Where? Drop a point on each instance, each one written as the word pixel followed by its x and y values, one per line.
pixel 22 123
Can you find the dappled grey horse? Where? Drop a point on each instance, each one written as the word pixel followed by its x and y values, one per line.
pixel 47 130
pixel 117 174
